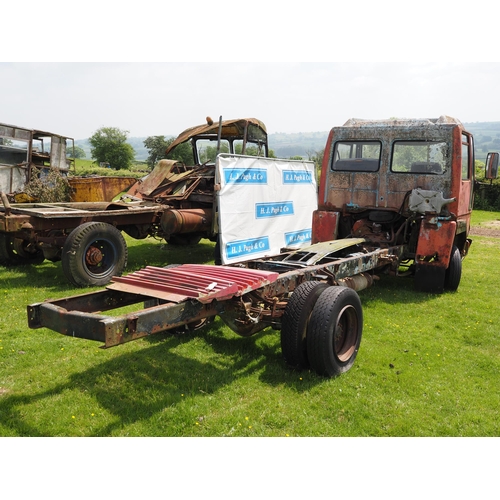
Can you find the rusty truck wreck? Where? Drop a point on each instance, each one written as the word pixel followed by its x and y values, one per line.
pixel 395 197
pixel 175 202
pixel 186 191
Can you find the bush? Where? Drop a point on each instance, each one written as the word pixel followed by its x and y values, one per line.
pixel 50 188
pixel 487 197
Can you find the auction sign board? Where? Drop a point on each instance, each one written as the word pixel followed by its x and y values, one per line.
pixel 264 205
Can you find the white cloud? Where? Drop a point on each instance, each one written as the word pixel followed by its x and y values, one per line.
pixel 76 99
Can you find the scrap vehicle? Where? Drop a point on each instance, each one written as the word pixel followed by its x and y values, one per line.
pixel 186 189
pixel 395 197
pixel 174 202
pixel 26 154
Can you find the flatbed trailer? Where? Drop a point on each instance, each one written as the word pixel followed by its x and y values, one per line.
pixel 175 202
pixel 85 236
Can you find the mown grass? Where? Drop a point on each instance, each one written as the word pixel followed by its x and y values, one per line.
pixel 429 365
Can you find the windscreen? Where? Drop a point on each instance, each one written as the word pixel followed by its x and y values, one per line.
pixel 419 157
pixel 356 156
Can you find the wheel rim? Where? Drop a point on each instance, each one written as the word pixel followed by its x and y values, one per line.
pixel 346 334
pixel 99 258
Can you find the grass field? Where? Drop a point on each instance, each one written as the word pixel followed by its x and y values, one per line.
pixel 429 365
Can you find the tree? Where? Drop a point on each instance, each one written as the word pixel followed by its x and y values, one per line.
pixel 109 146
pixel 316 157
pixel 79 152
pixel 157 145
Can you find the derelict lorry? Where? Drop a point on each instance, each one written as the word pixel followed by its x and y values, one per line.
pixel 175 202
pixel 395 197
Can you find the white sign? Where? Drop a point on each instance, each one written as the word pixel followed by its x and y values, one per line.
pixel 264 205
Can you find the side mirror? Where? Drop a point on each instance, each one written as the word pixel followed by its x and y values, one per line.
pixel 491 166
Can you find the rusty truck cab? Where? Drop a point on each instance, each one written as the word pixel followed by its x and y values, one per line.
pixel 188 189
pixel 400 182
pixel 237 136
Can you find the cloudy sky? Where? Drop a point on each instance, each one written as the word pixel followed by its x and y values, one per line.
pixel 56 77
pixel 75 99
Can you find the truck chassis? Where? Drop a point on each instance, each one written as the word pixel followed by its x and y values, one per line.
pixel 248 299
pixel 395 197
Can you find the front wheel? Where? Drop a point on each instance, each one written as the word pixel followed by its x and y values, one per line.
pixel 334 332
pixel 93 253
pixel 454 271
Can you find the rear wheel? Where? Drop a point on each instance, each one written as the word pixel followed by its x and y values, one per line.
pixel 334 332
pixel 295 321
pixel 27 253
pixel 93 253
pixel 18 251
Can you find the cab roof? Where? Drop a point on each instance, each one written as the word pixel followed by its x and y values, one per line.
pixel 230 128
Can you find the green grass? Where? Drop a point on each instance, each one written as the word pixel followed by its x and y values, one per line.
pixel 90 167
pixel 429 365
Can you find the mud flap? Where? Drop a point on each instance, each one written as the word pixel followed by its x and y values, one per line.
pixel 429 278
pixel 432 258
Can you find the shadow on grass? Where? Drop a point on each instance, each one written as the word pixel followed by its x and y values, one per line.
pixel 162 254
pixel 49 275
pixel 396 290
pixel 133 387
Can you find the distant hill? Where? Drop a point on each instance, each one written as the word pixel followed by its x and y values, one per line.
pixel 486 138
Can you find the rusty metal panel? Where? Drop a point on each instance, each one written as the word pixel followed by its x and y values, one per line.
pixel 192 281
pixel 154 179
pixel 325 226
pixel 95 189
pixel 435 242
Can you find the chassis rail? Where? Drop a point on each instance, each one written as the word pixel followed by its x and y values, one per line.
pixel 165 308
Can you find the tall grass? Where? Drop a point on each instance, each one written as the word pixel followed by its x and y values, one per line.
pixel 429 365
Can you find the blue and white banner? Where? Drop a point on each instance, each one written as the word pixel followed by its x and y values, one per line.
pixel 264 205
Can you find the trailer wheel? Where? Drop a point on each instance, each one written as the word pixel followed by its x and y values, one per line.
pixel 93 253
pixel 334 332
pixel 454 271
pixel 295 321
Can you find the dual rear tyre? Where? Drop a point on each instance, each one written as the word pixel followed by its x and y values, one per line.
pixel 322 328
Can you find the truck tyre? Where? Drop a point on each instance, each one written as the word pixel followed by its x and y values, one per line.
pixel 217 253
pixel 454 271
pixel 7 254
pixel 295 322
pixel 93 253
pixel 334 332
